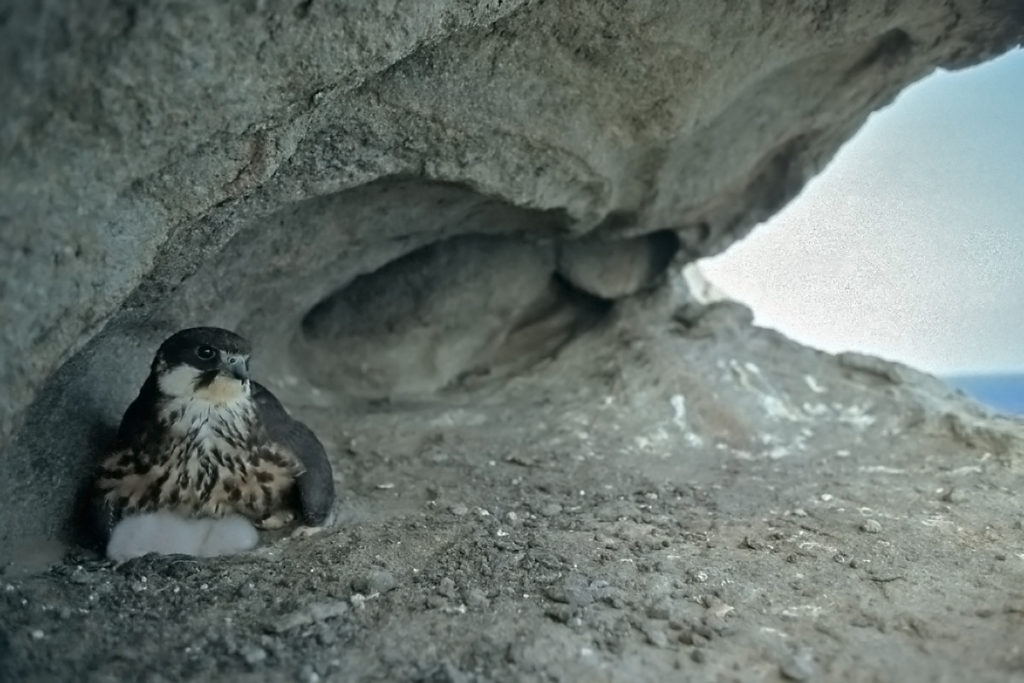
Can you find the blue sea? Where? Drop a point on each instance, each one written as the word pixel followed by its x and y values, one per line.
pixel 1004 393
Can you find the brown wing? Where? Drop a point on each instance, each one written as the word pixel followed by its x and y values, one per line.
pixel 316 484
pixel 96 513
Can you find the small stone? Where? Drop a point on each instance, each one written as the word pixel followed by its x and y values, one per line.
pixel 330 609
pixel 704 631
pixel 375 581
pixel 692 636
pixel 657 637
pixel 253 654
pixel 556 593
pixel 572 591
pixel 37 634
pixel 717 608
pixel 319 611
pixel 677 624
pixel 870 526
pixel 458 510
pixel 698 655
pixel 446 587
pixel 579 595
pixel 659 610
pixel 718 625
pixel 78 577
pixel 477 599
pixel 551 509
pixel 559 613
pixel 326 635
pixel 308 675
pixel 798 666
pixel 953 495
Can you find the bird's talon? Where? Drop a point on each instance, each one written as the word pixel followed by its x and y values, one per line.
pixel 307 531
pixel 275 521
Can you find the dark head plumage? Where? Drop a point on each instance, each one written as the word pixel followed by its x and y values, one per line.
pixel 210 350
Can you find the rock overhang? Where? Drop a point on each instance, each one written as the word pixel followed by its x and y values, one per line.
pixel 247 165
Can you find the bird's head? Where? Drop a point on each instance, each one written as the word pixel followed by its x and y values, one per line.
pixel 206 363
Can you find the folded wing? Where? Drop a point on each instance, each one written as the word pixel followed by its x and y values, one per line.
pixel 316 484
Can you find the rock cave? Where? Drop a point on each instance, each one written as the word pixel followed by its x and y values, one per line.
pixel 456 234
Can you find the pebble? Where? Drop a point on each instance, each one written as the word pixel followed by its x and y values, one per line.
pixel 81 578
pixel 326 635
pixel 870 526
pixel 953 495
pixel 692 636
pixel 559 613
pixel 447 587
pixel 477 599
pixel 319 611
pixel 308 675
pixel 718 625
pixel 572 591
pixel 659 610
pixel 657 637
pixel 798 666
pixel 253 654
pixel 677 624
pixel 375 581
pixel 458 510
pixel 551 509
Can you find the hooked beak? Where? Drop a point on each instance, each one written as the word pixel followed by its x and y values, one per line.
pixel 236 366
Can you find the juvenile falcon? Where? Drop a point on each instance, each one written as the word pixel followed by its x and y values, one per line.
pixel 203 440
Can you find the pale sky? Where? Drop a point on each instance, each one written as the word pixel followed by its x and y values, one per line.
pixel 910 244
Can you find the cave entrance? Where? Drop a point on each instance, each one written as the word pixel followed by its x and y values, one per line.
pixel 908 245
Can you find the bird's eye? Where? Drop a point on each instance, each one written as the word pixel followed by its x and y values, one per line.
pixel 205 353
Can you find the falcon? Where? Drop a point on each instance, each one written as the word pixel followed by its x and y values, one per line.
pixel 203 440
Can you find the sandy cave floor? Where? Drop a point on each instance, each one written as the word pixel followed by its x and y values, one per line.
pixel 726 506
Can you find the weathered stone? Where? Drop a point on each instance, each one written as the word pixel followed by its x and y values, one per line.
pixel 414 326
pixel 619 268
pixel 240 163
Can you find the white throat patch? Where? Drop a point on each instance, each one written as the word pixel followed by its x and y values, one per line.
pixel 180 383
pixel 223 404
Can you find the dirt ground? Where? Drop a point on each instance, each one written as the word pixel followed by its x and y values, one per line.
pixel 695 500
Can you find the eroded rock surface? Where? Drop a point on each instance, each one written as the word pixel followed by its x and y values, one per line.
pixel 677 495
pixel 440 222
